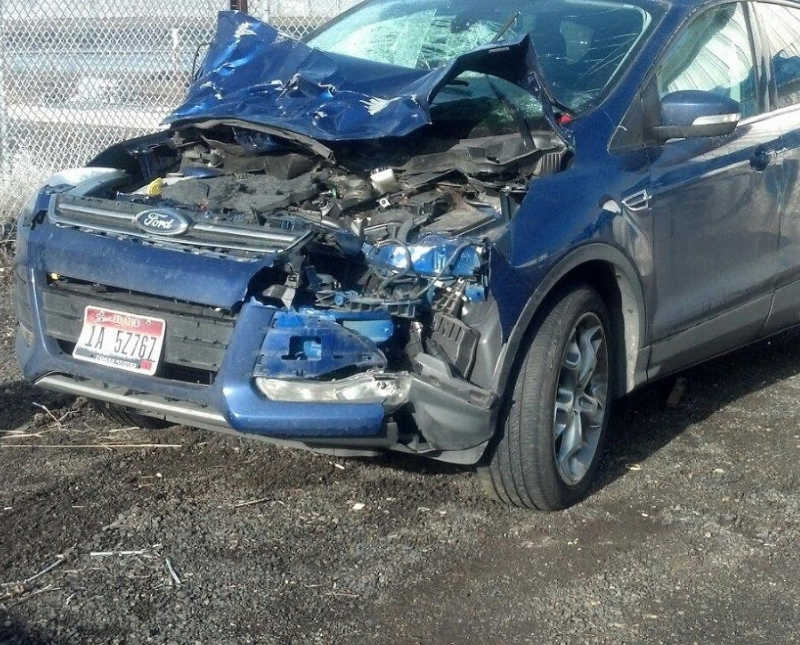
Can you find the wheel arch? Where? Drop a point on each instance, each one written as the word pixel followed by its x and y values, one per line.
pixel 608 270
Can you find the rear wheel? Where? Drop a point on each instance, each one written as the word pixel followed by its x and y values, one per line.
pixel 548 448
pixel 123 417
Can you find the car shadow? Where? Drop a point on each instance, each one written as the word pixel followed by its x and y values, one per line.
pixel 13 631
pixel 419 465
pixel 643 423
pixel 17 403
pixel 640 426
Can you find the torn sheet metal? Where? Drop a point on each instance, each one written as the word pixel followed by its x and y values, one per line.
pixel 255 74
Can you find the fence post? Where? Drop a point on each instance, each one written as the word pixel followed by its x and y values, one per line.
pixel 239 5
pixel 4 161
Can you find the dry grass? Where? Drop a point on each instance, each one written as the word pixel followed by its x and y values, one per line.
pixel 50 149
pixel 15 189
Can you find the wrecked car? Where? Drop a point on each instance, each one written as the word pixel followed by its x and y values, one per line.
pixel 457 230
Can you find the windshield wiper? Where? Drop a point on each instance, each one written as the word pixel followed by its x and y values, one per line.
pixel 504 30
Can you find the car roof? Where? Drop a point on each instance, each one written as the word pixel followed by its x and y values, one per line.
pixel 700 3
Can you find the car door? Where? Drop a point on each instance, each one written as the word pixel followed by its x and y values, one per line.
pixel 715 201
pixel 780 33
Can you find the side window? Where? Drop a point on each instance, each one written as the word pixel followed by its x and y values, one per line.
pixel 782 28
pixel 714 54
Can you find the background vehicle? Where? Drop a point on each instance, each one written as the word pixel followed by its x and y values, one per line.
pixel 459 231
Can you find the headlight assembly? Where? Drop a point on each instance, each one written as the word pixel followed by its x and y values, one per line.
pixel 389 390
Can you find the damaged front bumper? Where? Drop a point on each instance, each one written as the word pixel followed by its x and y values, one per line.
pixel 426 410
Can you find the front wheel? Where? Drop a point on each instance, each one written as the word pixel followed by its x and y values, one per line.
pixel 548 448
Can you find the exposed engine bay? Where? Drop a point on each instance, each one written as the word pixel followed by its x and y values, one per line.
pixel 390 241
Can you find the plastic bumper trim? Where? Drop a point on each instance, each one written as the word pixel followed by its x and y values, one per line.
pixel 188 413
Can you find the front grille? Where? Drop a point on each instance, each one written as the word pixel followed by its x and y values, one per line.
pixel 117 218
pixel 196 340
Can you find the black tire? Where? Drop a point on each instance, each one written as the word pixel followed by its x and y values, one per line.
pixel 521 468
pixel 125 418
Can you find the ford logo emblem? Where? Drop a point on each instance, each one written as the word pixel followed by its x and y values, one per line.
pixel 162 221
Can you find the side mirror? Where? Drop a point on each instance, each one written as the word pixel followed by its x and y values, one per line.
pixel 694 113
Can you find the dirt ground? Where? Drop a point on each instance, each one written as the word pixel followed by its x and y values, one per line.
pixel 692 535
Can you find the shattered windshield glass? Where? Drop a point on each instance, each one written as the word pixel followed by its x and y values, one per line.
pixel 493 105
pixel 581 44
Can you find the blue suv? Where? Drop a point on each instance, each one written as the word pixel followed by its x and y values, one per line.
pixel 457 229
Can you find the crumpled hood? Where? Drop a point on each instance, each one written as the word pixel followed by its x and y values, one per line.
pixel 255 74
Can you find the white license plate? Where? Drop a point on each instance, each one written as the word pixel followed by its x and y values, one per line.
pixel 121 340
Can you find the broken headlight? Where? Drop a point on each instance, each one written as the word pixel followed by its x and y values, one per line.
pixel 433 255
pixel 389 390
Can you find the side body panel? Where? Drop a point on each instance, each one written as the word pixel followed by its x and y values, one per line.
pixel 717 205
pixel 716 215
pixel 779 29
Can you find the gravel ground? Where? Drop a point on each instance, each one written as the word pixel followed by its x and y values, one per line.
pixel 692 535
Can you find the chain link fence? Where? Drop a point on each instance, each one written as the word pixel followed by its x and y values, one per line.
pixel 298 17
pixel 78 75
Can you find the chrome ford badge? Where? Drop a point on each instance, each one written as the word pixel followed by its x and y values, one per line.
pixel 162 221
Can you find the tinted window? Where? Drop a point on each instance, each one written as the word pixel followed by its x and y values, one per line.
pixel 713 54
pixel 581 44
pixel 782 27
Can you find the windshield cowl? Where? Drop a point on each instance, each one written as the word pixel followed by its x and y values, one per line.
pixel 254 74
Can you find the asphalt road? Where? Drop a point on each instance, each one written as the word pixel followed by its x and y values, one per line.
pixel 692 535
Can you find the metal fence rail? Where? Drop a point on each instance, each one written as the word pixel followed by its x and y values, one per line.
pixel 79 75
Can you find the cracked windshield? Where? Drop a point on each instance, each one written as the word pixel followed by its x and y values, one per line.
pixel 581 46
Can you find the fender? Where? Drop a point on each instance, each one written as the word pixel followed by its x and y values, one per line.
pixel 637 355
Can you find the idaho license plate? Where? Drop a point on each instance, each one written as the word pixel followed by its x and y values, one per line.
pixel 121 340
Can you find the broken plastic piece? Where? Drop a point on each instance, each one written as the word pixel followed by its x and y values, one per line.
pixel 305 346
pixel 385 181
pixel 378 326
pixel 154 187
pixel 457 341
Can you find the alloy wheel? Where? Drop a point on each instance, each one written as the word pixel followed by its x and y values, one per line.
pixel 581 399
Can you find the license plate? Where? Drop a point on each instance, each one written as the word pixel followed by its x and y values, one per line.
pixel 121 340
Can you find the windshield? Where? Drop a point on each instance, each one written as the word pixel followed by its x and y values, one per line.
pixel 581 44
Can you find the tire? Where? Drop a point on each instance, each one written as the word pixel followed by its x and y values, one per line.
pixel 523 466
pixel 123 417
